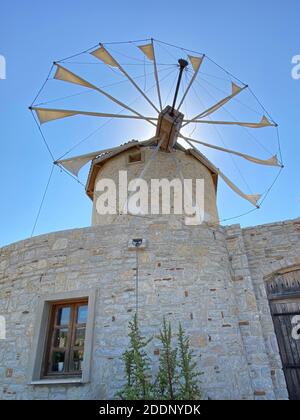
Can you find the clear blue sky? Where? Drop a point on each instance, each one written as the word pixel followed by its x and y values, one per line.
pixel 254 39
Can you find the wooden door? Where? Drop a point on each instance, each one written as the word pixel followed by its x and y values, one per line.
pixel 284 295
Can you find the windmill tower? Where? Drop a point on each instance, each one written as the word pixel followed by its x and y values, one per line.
pixel 130 160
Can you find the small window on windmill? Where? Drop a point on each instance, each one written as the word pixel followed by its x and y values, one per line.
pixel 135 157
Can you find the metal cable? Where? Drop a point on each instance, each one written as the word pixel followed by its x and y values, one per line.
pixel 43 137
pixel 43 85
pixel 42 201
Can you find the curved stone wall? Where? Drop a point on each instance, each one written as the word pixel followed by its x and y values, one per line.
pixel 196 275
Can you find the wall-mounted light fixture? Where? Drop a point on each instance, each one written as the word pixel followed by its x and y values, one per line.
pixel 135 243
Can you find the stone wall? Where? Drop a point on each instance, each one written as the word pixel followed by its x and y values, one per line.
pixel 271 248
pixel 209 278
pixel 162 166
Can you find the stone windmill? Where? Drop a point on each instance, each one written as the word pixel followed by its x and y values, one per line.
pixel 156 265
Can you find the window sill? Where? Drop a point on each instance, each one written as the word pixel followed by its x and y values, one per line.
pixel 63 381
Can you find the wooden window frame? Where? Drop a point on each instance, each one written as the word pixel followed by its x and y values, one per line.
pixel 69 350
pixel 40 336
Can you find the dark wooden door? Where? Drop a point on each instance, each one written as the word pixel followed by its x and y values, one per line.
pixel 284 295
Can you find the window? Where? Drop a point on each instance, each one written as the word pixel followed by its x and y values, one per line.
pixel 136 157
pixel 61 351
pixel 66 339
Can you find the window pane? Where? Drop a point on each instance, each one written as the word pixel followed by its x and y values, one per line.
pixel 82 314
pixel 63 316
pixel 58 362
pixel 77 360
pixel 61 337
pixel 79 337
pixel 65 344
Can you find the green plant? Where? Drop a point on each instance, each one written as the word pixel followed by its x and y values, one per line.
pixel 177 376
pixel 189 382
pixel 137 367
pixel 166 381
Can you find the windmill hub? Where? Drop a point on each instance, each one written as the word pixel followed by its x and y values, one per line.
pixel 168 127
pixel 183 63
